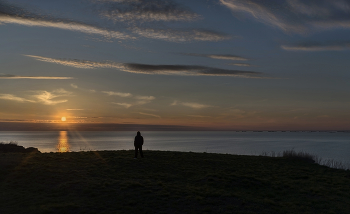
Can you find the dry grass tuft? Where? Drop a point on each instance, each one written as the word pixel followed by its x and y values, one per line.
pixel 302 155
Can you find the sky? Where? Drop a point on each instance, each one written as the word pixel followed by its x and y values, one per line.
pixel 175 64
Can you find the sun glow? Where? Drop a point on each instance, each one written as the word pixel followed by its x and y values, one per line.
pixel 63 119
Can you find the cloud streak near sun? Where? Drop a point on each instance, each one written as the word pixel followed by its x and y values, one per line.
pixel 40 96
pixel 184 70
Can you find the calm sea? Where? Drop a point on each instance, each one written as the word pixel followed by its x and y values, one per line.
pixel 327 145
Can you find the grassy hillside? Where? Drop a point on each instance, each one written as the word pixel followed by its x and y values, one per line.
pixel 168 182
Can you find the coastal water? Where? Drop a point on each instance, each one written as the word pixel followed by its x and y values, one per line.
pixel 327 145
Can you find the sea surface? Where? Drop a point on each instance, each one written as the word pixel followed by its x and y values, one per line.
pixel 327 145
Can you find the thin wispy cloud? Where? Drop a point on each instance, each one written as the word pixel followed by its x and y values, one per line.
pixel 15 98
pixel 146 98
pixel 219 56
pixel 77 63
pixel 82 89
pixel 195 105
pixel 136 99
pixel 241 64
pixel 175 35
pixel 73 85
pixel 120 94
pixel 10 76
pixel 313 46
pixel 152 115
pixel 186 70
pixel 295 15
pixel 10 14
pixel 146 11
pixel 190 104
pixel 129 16
pixel 126 105
pixel 199 116
pixel 75 109
pixel 41 96
pixel 49 98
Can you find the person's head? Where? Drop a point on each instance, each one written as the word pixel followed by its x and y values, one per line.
pixel 138 133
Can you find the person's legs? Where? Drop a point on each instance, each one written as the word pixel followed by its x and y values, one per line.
pixel 141 153
pixel 135 151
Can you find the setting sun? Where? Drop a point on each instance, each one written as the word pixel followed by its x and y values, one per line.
pixel 63 119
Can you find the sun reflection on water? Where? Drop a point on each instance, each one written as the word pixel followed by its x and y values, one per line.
pixel 63 145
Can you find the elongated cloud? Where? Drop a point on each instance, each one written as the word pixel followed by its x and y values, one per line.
pixel 129 15
pixel 9 76
pixel 145 98
pixel 72 26
pixel 137 100
pixel 126 105
pixel 14 15
pixel 219 56
pixel 15 98
pixel 43 97
pixel 196 105
pixel 112 93
pixel 199 116
pixel 174 35
pixel 241 64
pixel 190 104
pixel 330 46
pixel 187 70
pixel 152 115
pixel 77 63
pixel 297 16
pixel 147 10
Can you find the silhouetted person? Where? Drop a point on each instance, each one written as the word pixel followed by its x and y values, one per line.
pixel 138 142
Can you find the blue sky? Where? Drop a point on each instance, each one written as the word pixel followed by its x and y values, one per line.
pixel 217 64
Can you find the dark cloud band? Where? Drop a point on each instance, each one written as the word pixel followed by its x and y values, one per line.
pixel 314 46
pixel 9 76
pixel 146 10
pixel 188 70
pixel 218 56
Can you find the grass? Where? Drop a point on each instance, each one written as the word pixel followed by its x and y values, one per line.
pixel 168 182
pixel 305 156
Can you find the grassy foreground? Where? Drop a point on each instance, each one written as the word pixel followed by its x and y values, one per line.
pixel 168 182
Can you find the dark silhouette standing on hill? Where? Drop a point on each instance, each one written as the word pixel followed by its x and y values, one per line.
pixel 138 142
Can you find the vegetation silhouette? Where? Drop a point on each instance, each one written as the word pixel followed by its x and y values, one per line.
pixel 13 147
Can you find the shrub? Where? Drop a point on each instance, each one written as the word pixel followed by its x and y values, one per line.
pixel 14 147
pixel 301 155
